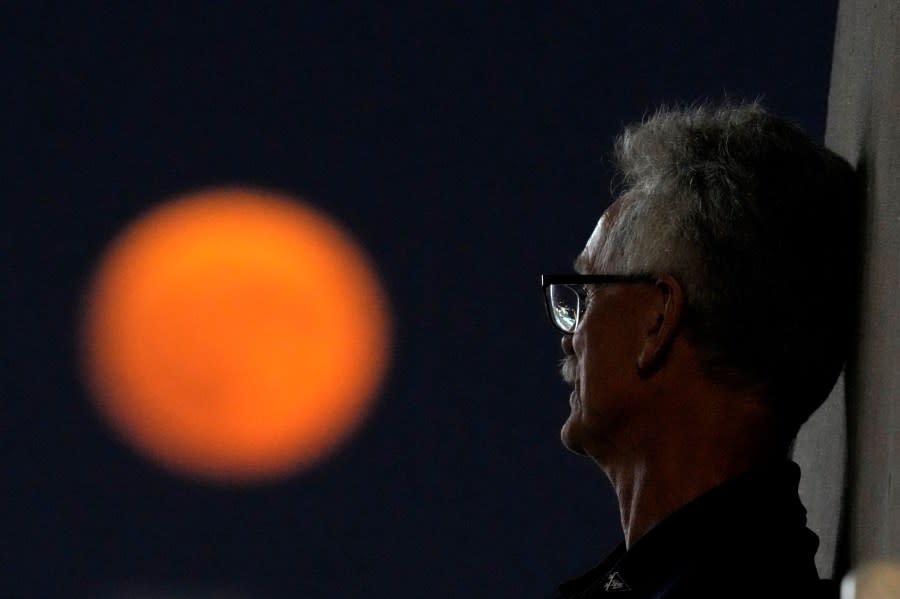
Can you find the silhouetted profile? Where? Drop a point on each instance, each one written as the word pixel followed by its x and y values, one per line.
pixel 709 318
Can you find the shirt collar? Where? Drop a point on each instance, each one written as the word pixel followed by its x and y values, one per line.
pixel 756 503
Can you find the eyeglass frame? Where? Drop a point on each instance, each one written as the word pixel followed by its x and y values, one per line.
pixel 577 283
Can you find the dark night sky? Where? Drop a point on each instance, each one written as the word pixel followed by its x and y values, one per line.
pixel 465 146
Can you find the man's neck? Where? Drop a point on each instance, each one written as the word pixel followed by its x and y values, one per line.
pixel 648 494
pixel 670 472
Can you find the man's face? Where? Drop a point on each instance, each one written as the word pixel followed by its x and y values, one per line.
pixel 601 355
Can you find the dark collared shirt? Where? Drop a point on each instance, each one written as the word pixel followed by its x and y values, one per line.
pixel 745 538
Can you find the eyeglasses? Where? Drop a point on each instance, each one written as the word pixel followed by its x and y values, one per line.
pixel 565 296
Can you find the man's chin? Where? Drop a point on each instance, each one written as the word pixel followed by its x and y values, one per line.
pixel 569 437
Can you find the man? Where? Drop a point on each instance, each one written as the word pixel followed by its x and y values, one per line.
pixel 710 318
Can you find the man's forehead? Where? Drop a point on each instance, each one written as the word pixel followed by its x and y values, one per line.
pixel 587 258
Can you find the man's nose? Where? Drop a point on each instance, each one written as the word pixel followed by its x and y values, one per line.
pixel 566 344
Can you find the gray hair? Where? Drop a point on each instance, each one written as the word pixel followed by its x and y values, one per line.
pixel 757 223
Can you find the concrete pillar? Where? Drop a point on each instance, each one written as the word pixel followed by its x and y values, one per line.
pixel 850 449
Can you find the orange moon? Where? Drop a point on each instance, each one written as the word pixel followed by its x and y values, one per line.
pixel 235 334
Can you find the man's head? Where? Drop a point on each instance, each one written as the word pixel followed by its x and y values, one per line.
pixel 749 228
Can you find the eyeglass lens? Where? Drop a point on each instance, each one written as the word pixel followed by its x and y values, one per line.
pixel 564 307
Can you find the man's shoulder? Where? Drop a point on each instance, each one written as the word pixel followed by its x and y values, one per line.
pixel 731 584
pixel 774 568
pixel 746 538
pixel 770 586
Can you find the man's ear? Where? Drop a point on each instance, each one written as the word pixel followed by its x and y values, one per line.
pixel 663 323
